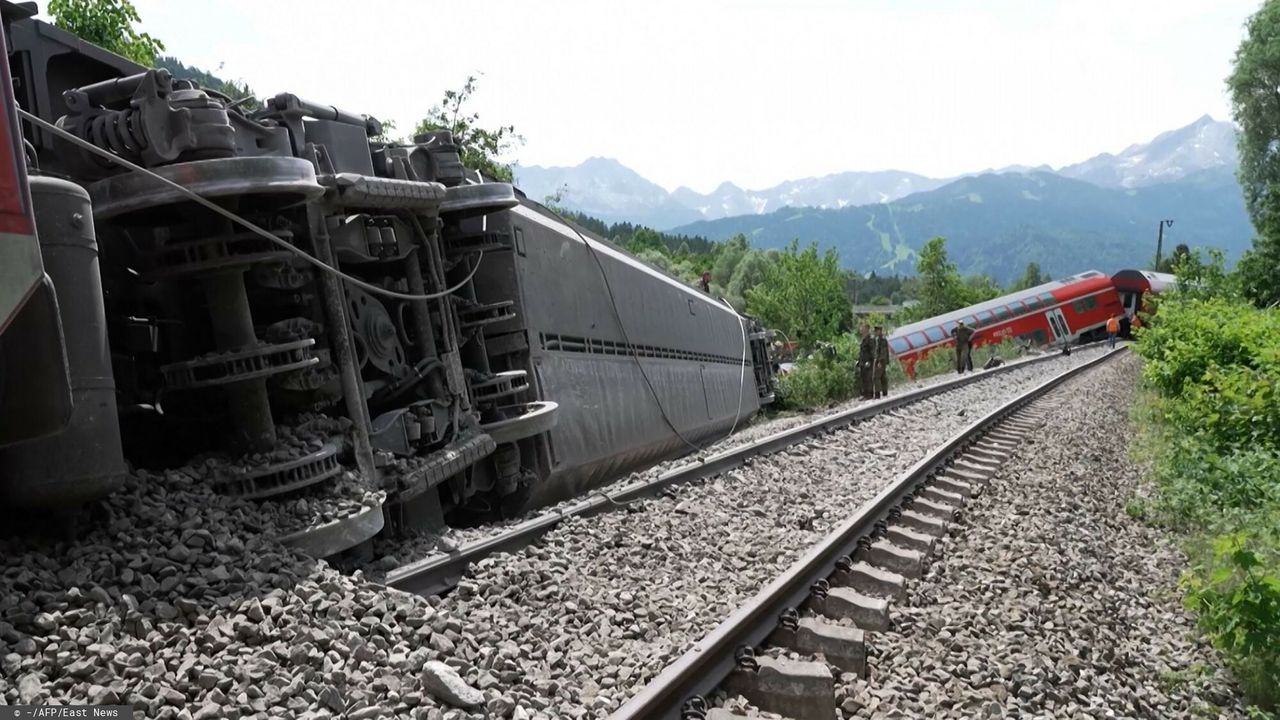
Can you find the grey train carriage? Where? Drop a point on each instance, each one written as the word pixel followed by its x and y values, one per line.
pixel 477 354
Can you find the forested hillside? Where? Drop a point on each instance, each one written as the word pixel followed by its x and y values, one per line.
pixel 996 224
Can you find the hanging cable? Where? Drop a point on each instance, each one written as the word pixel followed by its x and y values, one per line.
pixel 255 229
pixel 742 369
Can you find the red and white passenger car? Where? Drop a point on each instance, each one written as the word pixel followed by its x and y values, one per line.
pixel 1058 312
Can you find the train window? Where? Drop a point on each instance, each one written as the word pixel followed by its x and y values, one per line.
pixel 1018 308
pixel 947 327
pixel 1033 304
pixel 1003 313
pixel 984 317
pixel 1084 304
pixel 935 334
pixel 917 340
pixel 1047 299
pixel 898 345
pixel 1037 337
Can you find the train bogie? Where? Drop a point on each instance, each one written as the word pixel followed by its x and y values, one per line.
pixel 290 303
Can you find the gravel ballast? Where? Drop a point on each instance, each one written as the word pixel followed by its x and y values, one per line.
pixel 390 555
pixel 175 600
pixel 1048 600
pixel 600 606
pixel 177 603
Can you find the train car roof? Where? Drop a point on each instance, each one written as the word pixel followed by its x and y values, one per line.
pixel 1090 279
pixel 1143 280
pixel 622 254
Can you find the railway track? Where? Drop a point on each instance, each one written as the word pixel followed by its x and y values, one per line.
pixel 440 573
pixel 823 606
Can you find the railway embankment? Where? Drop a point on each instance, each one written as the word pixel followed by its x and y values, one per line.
pixel 176 600
pixel 1049 599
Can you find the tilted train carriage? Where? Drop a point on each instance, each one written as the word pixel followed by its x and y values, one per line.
pixel 1058 312
pixel 459 347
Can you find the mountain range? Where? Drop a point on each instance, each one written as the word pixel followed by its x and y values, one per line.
pixel 1097 213
pixel 997 223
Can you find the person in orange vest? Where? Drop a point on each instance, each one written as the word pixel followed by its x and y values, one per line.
pixel 1113 329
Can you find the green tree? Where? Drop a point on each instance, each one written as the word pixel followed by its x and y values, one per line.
pixel 747 274
pixel 555 202
pixel 481 148
pixel 1170 263
pixel 645 239
pixel 1259 271
pixel 803 295
pixel 1255 104
pixel 977 288
pixel 941 288
pixel 107 24
pixel 1202 279
pixel 731 253
pixel 1031 277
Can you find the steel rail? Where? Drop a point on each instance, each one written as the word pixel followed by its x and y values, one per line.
pixel 700 670
pixel 440 573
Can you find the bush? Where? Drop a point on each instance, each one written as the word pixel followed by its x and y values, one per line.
pixel 1214 365
pixel 1238 601
pixel 1192 335
pixel 829 374
pixel 826 376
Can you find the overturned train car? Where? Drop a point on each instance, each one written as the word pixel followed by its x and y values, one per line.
pixel 392 320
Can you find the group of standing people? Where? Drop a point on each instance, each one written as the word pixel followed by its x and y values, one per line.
pixel 873 363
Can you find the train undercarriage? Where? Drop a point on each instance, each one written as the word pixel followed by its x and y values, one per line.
pixel 282 304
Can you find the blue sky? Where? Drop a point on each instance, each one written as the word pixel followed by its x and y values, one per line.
pixel 695 93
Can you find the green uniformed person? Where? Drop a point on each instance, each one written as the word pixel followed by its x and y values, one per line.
pixel 881 363
pixel 866 362
pixel 963 334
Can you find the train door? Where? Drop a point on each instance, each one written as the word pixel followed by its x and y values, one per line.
pixel 1130 302
pixel 1058 323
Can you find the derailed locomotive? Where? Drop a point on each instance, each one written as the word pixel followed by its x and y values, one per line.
pixel 386 312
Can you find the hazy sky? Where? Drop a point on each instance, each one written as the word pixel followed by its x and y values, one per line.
pixel 695 93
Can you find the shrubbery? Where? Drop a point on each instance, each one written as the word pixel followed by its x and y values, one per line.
pixel 826 376
pixel 1213 365
pixel 829 375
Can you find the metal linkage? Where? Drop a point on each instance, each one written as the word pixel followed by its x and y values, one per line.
pixel 282 477
pixel 712 660
pixel 440 573
pixel 225 368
